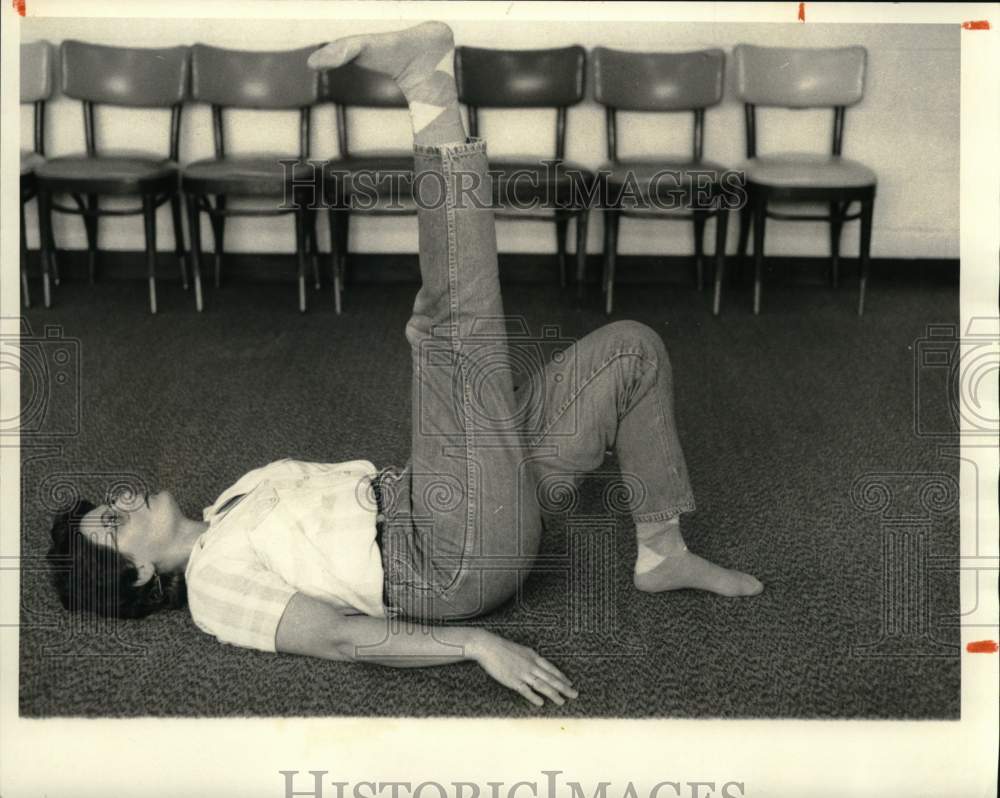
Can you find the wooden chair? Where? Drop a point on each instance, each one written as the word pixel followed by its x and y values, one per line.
pixel 804 78
pixel 540 188
pixel 261 81
pixel 36 88
pixel 116 76
pixel 662 83
pixel 388 173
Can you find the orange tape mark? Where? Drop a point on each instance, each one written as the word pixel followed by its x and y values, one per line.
pixel 977 24
pixel 20 6
pixel 802 12
pixel 983 647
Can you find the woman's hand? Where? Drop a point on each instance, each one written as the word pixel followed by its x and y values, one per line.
pixel 521 669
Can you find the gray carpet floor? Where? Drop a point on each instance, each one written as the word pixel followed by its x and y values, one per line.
pixel 779 415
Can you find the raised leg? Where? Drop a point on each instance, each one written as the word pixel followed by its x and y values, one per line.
pixel 721 228
pixel 837 212
pixel 612 219
pixel 176 213
pixel 455 517
pixel 867 210
pixel 562 229
pixel 218 220
pixel 194 225
pixel 759 220
pixel 699 219
pixel 149 223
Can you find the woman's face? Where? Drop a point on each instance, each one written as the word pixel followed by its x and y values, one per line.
pixel 141 525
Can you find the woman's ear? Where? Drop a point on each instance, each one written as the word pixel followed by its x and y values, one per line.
pixel 146 572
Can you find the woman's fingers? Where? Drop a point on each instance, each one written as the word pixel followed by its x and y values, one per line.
pixel 546 689
pixel 559 684
pixel 544 663
pixel 528 693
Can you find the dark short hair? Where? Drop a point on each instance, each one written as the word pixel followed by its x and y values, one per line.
pixel 92 578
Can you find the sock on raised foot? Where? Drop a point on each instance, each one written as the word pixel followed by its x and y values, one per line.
pixel 421 61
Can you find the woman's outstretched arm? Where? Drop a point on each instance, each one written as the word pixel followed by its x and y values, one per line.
pixel 312 627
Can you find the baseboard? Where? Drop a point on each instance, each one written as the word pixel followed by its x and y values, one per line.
pixel 514 268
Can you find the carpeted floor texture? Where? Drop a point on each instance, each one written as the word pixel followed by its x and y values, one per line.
pixel 779 415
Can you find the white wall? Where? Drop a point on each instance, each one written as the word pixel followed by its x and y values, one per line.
pixel 907 128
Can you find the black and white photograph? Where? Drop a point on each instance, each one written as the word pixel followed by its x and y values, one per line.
pixel 449 398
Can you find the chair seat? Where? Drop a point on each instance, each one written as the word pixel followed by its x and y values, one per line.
pixel 666 171
pixel 519 185
pixel 30 160
pixel 122 172
pixel 388 176
pixel 257 174
pixel 808 170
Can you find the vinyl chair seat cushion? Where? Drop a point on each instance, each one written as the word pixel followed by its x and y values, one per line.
pixel 255 174
pixel 380 180
pixel 30 160
pixel 666 171
pixel 521 182
pixel 121 172
pixel 807 170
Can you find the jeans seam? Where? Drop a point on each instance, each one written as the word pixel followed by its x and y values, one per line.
pixel 536 441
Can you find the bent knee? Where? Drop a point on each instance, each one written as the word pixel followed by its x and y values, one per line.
pixel 644 338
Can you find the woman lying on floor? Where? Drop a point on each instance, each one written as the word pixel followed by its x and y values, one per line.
pixel 316 559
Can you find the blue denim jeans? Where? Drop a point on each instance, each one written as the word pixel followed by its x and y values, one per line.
pixel 463 519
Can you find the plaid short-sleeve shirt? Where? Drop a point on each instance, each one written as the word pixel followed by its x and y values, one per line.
pixel 288 527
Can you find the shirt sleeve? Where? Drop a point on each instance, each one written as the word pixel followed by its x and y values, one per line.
pixel 239 602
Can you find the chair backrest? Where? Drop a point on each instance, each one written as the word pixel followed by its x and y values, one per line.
pixel 272 80
pixel 552 78
pixel 799 77
pixel 630 81
pixel 36 85
pixel 796 77
pixel 36 72
pixel 268 80
pixel 354 86
pixel 129 76
pixel 658 82
pixel 490 78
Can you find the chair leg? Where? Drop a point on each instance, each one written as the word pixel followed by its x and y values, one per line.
pixel 867 210
pixel 611 222
pixel 345 245
pixel 179 248
pixel 837 212
pixel 46 243
pixel 759 220
pixel 699 218
pixel 219 234
pixel 582 223
pixel 746 224
pixel 91 225
pixel 24 260
pixel 314 248
pixel 301 236
pixel 333 221
pixel 562 228
pixel 149 222
pixel 721 229
pixel 194 225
